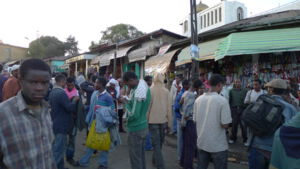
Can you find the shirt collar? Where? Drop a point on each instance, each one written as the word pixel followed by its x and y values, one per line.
pixel 22 104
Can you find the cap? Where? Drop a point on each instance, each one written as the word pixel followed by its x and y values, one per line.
pixel 15 67
pixel 278 84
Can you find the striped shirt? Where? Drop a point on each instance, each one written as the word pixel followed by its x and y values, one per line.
pixel 25 136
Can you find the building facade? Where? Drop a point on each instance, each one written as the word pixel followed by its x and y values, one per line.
pixel 9 53
pixel 209 18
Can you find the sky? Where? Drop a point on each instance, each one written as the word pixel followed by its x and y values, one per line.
pixel 23 21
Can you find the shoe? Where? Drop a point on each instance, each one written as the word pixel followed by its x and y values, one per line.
pixel 246 144
pixel 73 162
pixel 230 141
pixel 102 167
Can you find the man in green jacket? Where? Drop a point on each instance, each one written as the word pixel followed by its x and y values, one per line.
pixel 137 125
pixel 236 100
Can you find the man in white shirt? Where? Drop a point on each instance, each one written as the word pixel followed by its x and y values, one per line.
pixel 212 116
pixel 253 94
pixel 251 97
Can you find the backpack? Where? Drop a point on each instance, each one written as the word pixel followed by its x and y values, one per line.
pixel 264 116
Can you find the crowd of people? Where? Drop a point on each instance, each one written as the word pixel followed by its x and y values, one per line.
pixel 41 114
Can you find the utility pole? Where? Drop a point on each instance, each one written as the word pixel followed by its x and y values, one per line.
pixel 194 40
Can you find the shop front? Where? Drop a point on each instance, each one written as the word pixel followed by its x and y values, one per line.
pixel 79 64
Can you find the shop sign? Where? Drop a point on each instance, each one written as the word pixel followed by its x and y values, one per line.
pixel 74 59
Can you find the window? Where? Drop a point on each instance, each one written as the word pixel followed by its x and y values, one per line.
pixel 212 17
pixel 220 14
pixel 204 16
pixel 185 26
pixel 240 13
pixel 208 19
pixel 201 22
pixel 216 16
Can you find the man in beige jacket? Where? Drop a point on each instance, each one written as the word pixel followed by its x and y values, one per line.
pixel 158 117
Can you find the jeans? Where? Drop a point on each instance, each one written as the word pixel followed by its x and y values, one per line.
pixel 59 148
pixel 236 122
pixel 136 148
pixel 174 127
pixel 179 139
pixel 148 144
pixel 103 158
pixel 219 159
pixel 158 136
pixel 71 144
pixel 257 160
pixel 189 148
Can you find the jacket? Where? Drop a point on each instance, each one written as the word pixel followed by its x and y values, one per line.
pixel 61 111
pixel 88 88
pixel 160 107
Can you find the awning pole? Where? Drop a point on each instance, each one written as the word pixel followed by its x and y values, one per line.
pixel 115 62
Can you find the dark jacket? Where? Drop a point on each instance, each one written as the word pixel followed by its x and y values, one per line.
pixel 2 81
pixel 88 88
pixel 61 111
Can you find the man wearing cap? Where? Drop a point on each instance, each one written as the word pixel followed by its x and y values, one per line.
pixel 11 86
pixel 261 149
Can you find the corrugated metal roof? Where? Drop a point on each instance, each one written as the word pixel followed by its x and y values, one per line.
pixel 206 52
pixel 254 42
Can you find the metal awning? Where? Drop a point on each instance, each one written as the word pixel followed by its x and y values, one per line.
pixel 105 58
pixel 206 52
pixel 141 53
pixel 255 42
pixel 80 57
pixel 123 51
pixel 159 63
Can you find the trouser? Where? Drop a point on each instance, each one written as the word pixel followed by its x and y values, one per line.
pixel 174 124
pixel 120 114
pixel 59 148
pixel 103 158
pixel 189 148
pixel 136 142
pixel 236 122
pixel 158 136
pixel 219 159
pixel 71 144
pixel 257 160
pixel 179 139
pixel 148 143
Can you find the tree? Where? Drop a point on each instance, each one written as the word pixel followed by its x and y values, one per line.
pixel 71 46
pixel 120 32
pixel 93 44
pixel 46 46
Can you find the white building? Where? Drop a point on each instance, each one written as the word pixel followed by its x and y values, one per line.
pixel 209 18
pixel 286 7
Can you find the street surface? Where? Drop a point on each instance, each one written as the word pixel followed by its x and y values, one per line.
pixel 119 159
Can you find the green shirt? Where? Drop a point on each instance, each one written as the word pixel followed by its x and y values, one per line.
pixel 137 116
pixel 237 97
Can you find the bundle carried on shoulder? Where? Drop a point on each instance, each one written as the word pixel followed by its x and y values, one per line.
pixel 264 116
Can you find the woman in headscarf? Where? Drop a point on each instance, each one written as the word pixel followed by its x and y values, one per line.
pixel 158 117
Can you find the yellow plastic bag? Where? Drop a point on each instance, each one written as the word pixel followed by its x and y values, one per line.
pixel 98 141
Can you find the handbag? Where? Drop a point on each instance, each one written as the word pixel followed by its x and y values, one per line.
pixel 98 141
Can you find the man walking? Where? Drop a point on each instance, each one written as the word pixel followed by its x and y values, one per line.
pixel 61 113
pixel 12 85
pixel 236 101
pixel 212 117
pixel 137 108
pixel 159 117
pixel 25 124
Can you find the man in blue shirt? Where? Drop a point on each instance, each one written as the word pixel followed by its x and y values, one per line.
pixel 261 148
pixel 61 114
